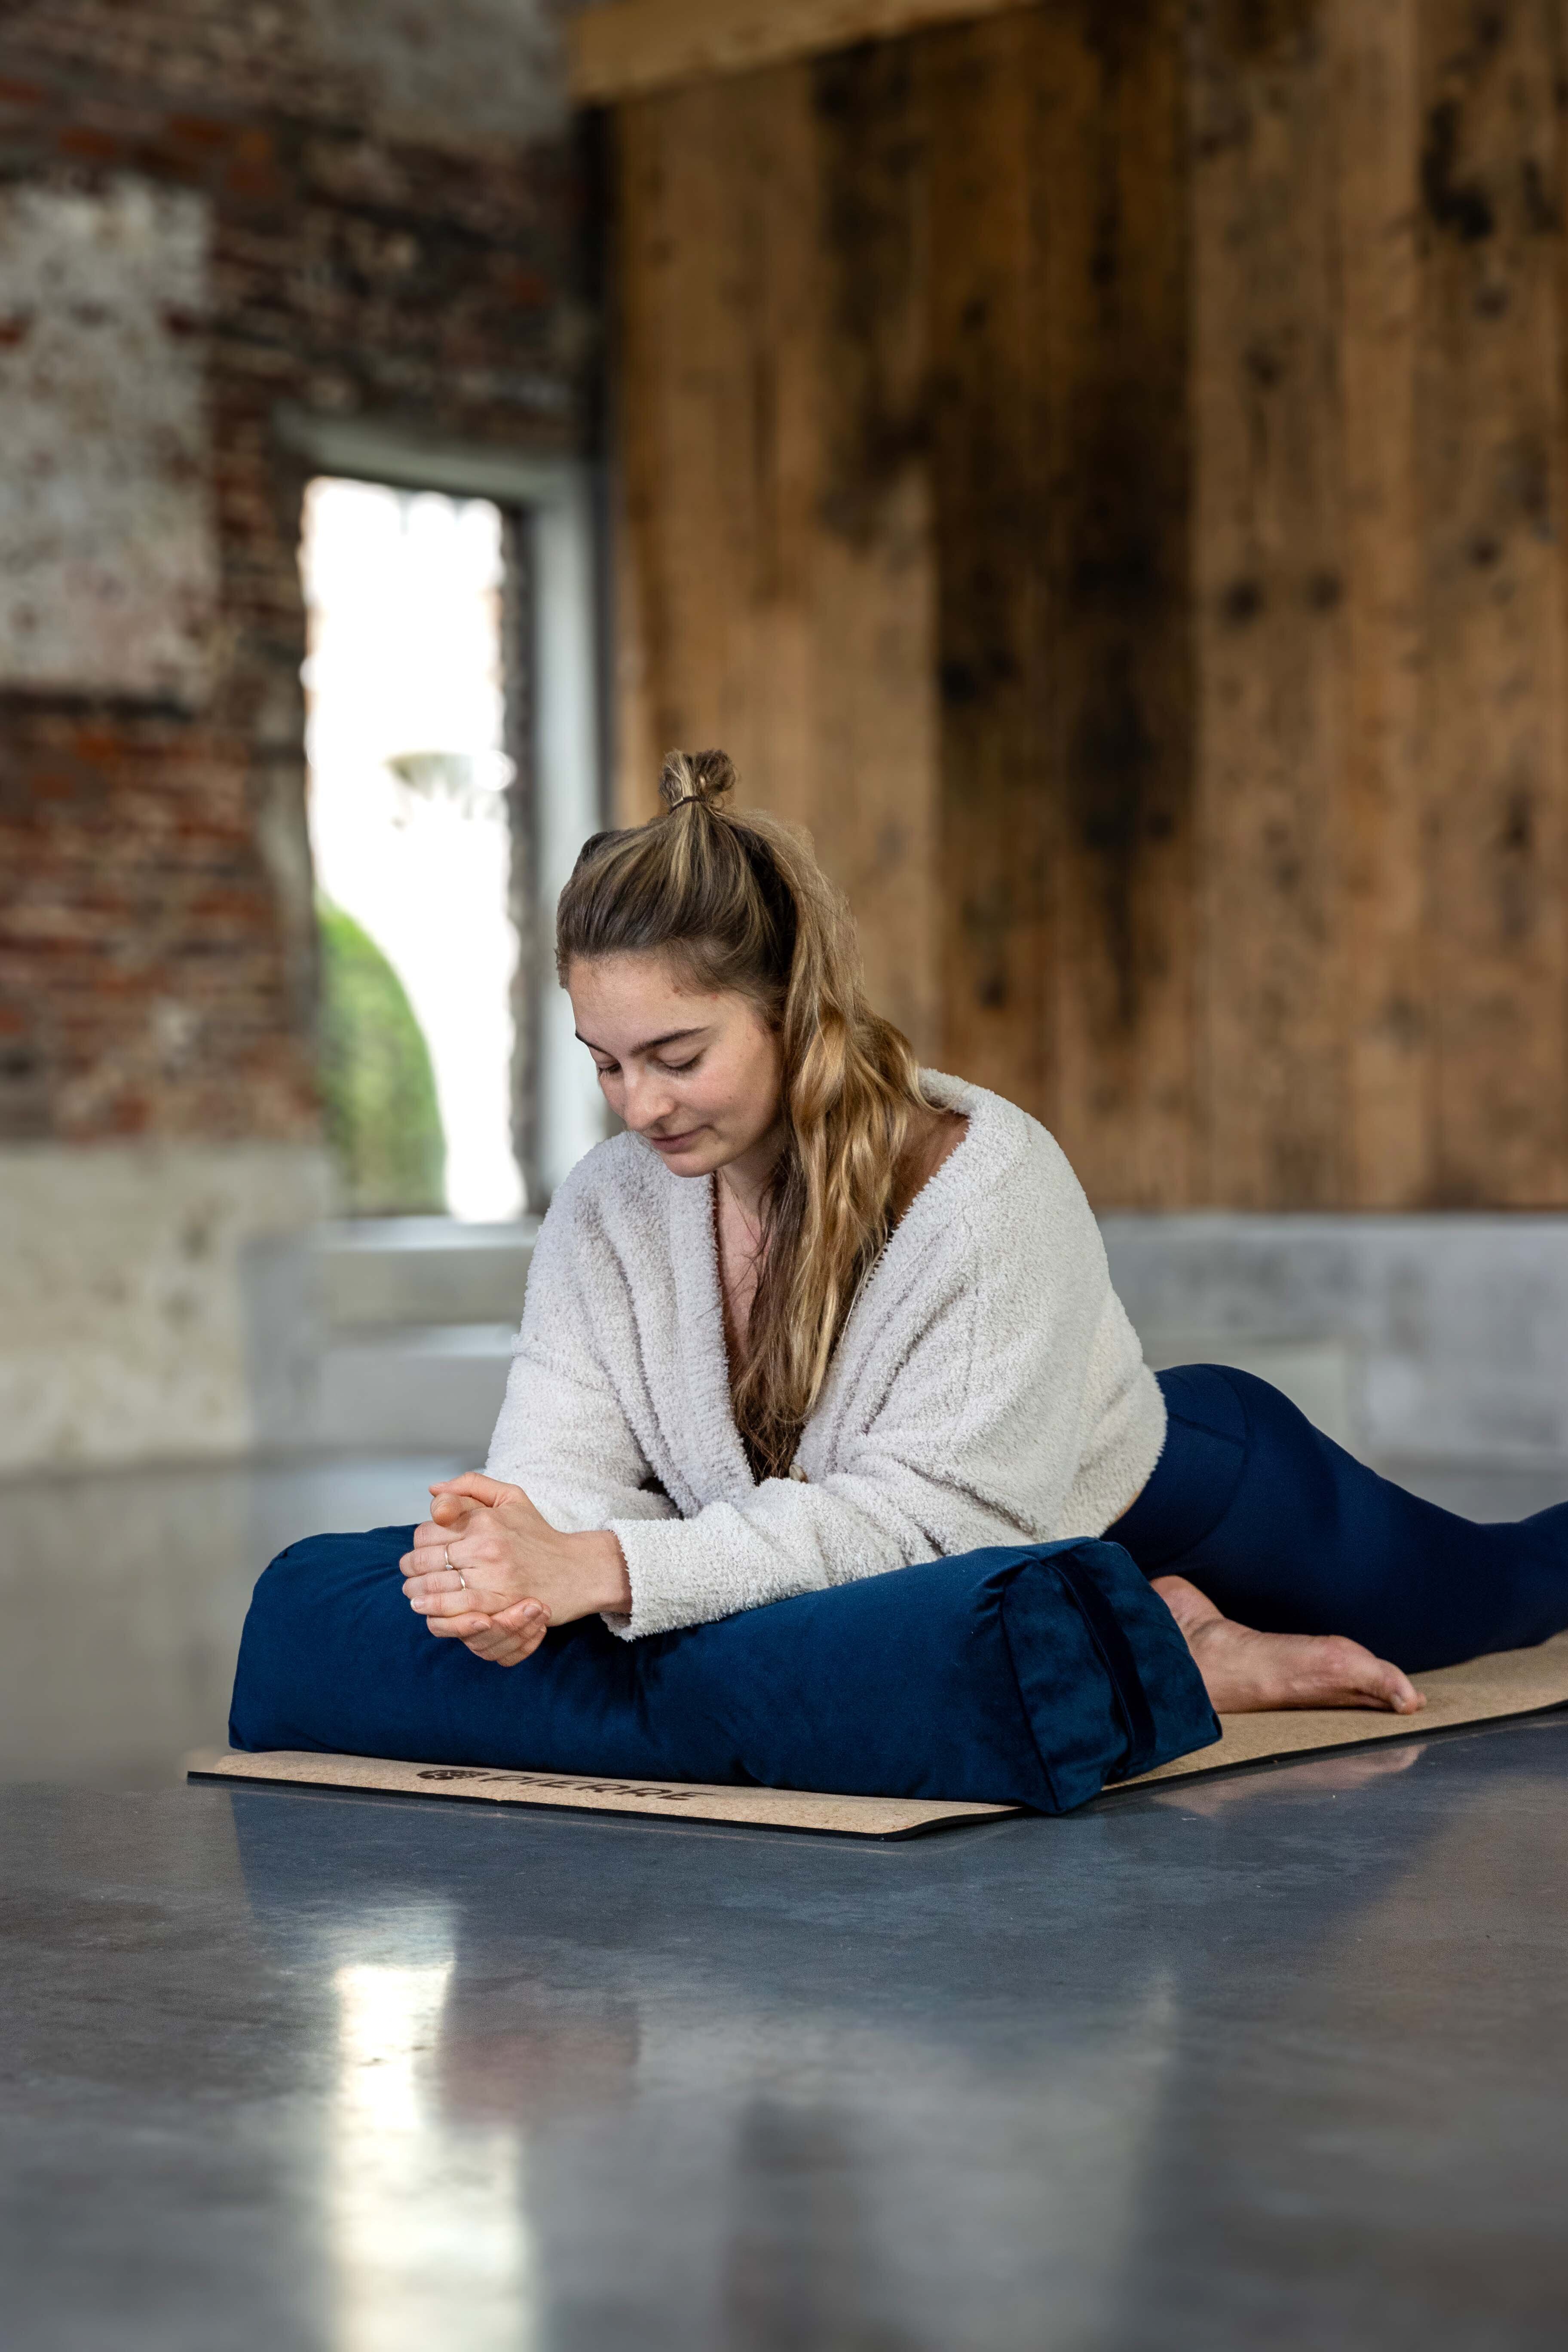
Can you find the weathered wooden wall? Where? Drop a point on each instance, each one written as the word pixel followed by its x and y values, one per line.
pixel 1102 469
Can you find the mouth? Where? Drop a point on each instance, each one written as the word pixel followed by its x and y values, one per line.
pixel 674 1143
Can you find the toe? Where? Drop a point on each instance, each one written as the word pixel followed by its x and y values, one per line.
pixel 1376 1680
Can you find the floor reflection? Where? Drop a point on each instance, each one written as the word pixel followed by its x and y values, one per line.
pixel 598 2083
pixel 1334 1775
pixel 426 2222
pixel 1378 1999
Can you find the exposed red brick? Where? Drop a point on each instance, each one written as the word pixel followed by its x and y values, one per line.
pixel 436 288
pixel 85 143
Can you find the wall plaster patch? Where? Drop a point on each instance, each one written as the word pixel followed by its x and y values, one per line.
pixel 108 562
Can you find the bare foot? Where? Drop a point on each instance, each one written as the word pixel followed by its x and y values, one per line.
pixel 1245 1671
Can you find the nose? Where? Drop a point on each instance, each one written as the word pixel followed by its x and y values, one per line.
pixel 647 1102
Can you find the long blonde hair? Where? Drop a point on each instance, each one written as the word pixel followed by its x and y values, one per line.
pixel 742 903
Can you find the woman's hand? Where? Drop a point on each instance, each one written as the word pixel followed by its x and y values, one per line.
pixel 488 1570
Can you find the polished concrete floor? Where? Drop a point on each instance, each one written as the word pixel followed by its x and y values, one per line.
pixel 1276 2059
pixel 1280 2060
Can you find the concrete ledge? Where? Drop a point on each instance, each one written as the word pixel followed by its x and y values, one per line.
pixel 425 1388
pixel 1451 1332
pixel 123 1319
pixel 410 1270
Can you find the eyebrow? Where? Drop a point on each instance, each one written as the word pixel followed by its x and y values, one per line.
pixel 670 1038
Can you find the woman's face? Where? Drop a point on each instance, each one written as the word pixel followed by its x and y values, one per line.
pixel 696 1074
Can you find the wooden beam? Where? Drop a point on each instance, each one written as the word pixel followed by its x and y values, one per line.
pixel 631 47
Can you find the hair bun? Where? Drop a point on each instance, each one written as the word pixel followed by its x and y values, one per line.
pixel 705 777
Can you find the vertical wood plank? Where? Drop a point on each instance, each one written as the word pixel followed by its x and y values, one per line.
pixel 718 288
pixel 639 626
pixel 1389 1061
pixel 1111 232
pixel 1269 598
pixel 682 531
pixel 1491 464
pixel 779 184
pixel 775 575
pixel 872 796
pixel 990 521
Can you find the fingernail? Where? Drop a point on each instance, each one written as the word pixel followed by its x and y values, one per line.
pixel 532 1614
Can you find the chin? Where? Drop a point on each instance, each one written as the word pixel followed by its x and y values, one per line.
pixel 699 1158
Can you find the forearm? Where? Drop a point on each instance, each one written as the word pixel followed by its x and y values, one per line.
pixel 785 1539
pixel 732 1558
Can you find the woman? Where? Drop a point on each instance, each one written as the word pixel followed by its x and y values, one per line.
pixel 817 1314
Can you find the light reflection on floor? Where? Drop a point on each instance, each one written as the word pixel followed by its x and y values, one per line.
pixel 422 2215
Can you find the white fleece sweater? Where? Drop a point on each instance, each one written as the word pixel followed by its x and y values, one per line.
pixel 988 1387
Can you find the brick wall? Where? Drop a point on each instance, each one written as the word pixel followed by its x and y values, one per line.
pixel 394 213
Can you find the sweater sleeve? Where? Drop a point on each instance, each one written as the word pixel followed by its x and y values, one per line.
pixel 563 1434
pixel 973 1440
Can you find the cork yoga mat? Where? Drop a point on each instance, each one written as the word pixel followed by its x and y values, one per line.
pixel 683 1801
pixel 1516 1682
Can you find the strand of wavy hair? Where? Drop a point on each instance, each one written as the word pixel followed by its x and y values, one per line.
pixel 851 1087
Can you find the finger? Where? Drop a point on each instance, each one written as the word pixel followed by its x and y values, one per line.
pixel 513 1655
pixel 421 1585
pixel 525 1617
pixel 430 1536
pixel 486 1645
pixel 516 1650
pixel 450 1554
pixel 504 1647
pixel 458 1629
pixel 480 1488
pixel 459 1600
pixel 449 1511
pixel 494 1646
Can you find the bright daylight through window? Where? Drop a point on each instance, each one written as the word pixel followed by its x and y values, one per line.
pixel 410 832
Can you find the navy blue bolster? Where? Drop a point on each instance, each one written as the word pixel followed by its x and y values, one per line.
pixel 1116 1656
pixel 1025 1675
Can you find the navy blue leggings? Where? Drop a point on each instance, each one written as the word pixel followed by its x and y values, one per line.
pixel 1283 1529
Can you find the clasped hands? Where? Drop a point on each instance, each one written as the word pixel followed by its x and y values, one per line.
pixel 488 1570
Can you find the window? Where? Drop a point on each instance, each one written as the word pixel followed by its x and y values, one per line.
pixel 412 836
